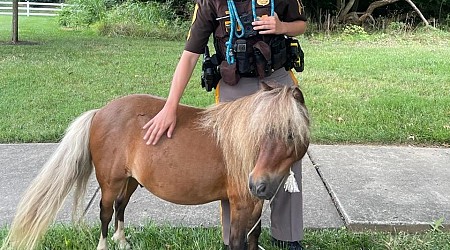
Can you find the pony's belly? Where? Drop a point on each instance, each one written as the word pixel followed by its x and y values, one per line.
pixel 180 170
pixel 185 186
pixel 183 197
pixel 182 194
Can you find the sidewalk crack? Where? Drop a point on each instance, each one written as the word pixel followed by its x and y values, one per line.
pixel 328 188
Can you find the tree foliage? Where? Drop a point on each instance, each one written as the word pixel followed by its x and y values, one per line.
pixel 348 11
pixel 438 9
pixel 332 14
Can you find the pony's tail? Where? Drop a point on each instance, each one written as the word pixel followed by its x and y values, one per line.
pixel 69 164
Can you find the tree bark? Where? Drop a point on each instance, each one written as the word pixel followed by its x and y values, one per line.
pixel 346 9
pixel 339 5
pixel 373 6
pixel 380 3
pixel 15 22
pixel 418 12
pixel 355 6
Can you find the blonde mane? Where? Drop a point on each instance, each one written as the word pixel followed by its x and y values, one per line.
pixel 240 126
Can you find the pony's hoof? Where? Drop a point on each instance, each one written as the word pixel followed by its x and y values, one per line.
pixel 121 242
pixel 102 244
pixel 123 245
pixel 102 248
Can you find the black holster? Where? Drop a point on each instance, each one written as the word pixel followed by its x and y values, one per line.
pixel 296 57
pixel 210 73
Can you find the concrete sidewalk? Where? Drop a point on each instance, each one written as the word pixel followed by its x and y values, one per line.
pixel 360 187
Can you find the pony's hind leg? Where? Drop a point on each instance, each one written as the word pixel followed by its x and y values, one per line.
pixel 106 210
pixel 120 205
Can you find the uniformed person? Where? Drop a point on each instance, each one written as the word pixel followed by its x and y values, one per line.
pixel 249 39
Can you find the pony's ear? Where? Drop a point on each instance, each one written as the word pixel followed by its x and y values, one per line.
pixel 265 86
pixel 298 95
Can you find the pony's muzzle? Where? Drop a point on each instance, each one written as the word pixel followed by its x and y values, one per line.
pixel 262 188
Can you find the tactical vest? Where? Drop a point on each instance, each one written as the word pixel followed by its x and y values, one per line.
pixel 255 55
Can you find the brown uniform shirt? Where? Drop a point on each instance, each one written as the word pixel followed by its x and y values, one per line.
pixel 210 17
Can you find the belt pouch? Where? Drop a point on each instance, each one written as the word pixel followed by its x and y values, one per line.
pixel 229 73
pixel 263 59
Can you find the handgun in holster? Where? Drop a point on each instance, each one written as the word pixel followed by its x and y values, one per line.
pixel 210 74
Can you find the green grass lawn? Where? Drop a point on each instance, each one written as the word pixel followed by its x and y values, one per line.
pixel 386 92
pixel 46 85
pixel 155 237
pixel 380 90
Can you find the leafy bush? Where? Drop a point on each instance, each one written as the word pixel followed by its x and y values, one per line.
pixel 81 13
pixel 150 19
pixel 109 17
pixel 396 26
pixel 141 13
pixel 354 31
pixel 181 8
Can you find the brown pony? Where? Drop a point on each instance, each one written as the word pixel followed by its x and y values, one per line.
pixel 220 153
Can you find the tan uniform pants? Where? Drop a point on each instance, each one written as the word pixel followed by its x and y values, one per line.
pixel 286 208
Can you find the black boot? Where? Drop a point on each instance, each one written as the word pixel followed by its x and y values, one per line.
pixel 289 245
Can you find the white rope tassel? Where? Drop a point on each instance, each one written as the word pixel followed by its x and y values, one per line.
pixel 291 185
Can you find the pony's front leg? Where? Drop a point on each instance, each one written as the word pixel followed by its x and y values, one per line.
pixel 241 210
pixel 254 227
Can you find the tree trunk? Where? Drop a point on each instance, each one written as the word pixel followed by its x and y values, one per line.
pixel 355 6
pixel 339 5
pixel 15 22
pixel 418 12
pixel 345 11
pixel 373 6
pixel 380 3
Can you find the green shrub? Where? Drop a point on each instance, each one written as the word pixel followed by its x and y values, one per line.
pixel 142 13
pixel 396 26
pixel 137 19
pixel 354 32
pixel 82 13
pixel 150 19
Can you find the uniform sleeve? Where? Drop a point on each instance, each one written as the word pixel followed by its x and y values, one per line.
pixel 293 11
pixel 202 26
